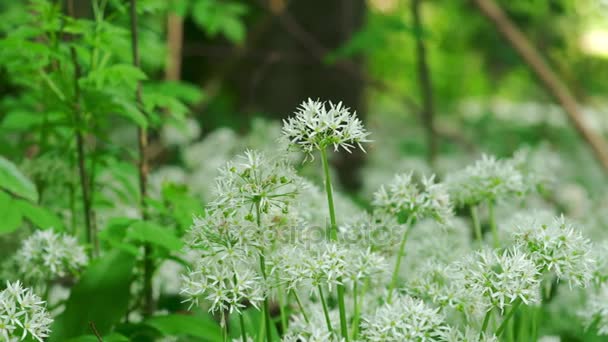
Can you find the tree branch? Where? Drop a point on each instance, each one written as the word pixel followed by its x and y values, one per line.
pixel 143 167
pixel 424 77
pixel 546 76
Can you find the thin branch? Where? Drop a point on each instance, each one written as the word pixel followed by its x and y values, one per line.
pixel 95 331
pixel 424 77
pixel 91 234
pixel 143 167
pixel 546 76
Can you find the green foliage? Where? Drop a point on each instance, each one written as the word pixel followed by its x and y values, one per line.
pixel 203 327
pixel 107 280
pixel 220 17
pixel 13 181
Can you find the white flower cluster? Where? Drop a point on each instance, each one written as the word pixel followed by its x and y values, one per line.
pixel 326 264
pixel 22 314
pixel 557 248
pixel 404 198
pixel 315 127
pixel 227 284
pixel 486 180
pixel 405 319
pixel 255 181
pixel 46 255
pixel 502 278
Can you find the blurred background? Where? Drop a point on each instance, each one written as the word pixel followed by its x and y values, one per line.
pixel 435 81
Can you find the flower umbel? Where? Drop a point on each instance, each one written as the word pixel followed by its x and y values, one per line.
pixel 22 314
pixel 315 127
pixel 46 255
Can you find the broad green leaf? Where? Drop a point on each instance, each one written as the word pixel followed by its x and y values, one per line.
pixel 10 214
pixel 114 234
pixel 203 327
pixel 145 231
pixel 40 216
pixel 14 181
pixel 101 296
pixel 108 338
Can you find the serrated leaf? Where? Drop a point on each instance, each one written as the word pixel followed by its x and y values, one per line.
pixel 203 327
pixel 150 232
pixel 12 180
pixel 101 296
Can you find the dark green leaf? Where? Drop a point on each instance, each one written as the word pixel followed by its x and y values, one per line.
pixel 150 232
pixel 101 296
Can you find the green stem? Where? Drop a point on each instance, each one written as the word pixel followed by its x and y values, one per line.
pixel 484 325
pixel 357 309
pixel 492 219
pixel 395 277
pixel 297 297
pixel 282 308
pixel 242 324
pixel 263 270
pixel 333 235
pixel 476 224
pixel 224 328
pixel 510 314
pixel 333 228
pixel 325 311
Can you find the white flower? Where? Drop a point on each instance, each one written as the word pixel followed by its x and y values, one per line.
pixel 255 181
pixel 379 231
pixel 315 127
pixel 501 278
pixel 404 198
pixel 488 179
pixel 46 255
pixel 405 319
pixel 557 248
pixel 22 314
pixel 228 284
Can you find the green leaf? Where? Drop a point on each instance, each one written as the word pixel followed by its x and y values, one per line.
pixel 221 17
pixel 101 296
pixel 252 318
pixel 10 214
pixel 145 231
pixel 114 234
pixel 203 327
pixel 15 182
pixel 40 216
pixel 108 338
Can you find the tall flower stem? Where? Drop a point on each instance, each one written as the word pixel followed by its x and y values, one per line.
pixel 266 313
pixel 282 307
pixel 484 325
pixel 509 315
pixel 492 219
pixel 357 311
pixel 302 310
pixel 242 324
pixel 476 224
pixel 325 310
pixel 332 232
pixel 333 235
pixel 400 253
